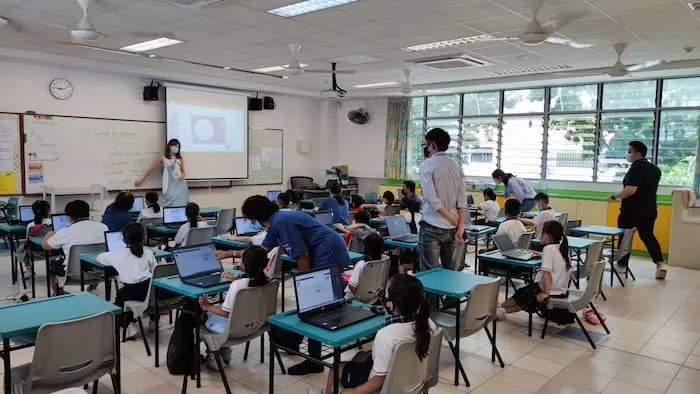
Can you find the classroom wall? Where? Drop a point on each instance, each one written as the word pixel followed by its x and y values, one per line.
pixel 361 147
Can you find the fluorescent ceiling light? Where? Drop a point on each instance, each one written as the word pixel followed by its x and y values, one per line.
pixel 450 43
pixel 305 7
pixel 376 85
pixel 276 68
pixel 151 44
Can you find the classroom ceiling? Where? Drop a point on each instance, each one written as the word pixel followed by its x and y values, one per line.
pixel 365 36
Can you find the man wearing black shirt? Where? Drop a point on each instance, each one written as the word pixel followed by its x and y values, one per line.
pixel 638 203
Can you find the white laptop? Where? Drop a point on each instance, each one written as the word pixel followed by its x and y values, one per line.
pixel 508 249
pixel 399 230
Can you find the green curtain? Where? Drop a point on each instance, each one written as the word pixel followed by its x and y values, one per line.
pixel 397 121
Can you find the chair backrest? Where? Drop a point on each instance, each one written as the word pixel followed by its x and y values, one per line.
pixel 300 182
pixel 625 246
pixel 392 210
pixel 373 280
pixel 407 373
pixel 593 255
pixel 251 309
pixel 433 372
pixel 460 255
pixel 200 235
pixel 159 271
pixel 61 358
pixel 224 220
pixel 595 280
pixel 482 305
pixel 572 224
pixel 12 207
pixel 274 264
pixel 524 240
pixel 563 218
pixel 501 212
pixel 146 222
pixel 73 269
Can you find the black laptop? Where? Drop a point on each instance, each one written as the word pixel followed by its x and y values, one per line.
pixel 197 266
pixel 174 216
pixel 321 300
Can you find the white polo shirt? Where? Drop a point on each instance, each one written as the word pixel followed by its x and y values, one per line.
pixel 84 232
pixel 387 341
pixel 513 227
pixel 131 269
pixel 554 262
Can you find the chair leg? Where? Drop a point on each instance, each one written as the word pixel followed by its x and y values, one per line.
pixel 585 332
pixel 603 294
pixel 279 361
pixel 546 323
pixel 113 377
pixel 629 271
pixel 143 335
pixel 613 271
pixel 94 386
pixel 170 316
pixel 245 354
pixel 124 332
pixel 459 363
pixel 262 348
pixel 219 365
pixel 494 348
pixel 600 318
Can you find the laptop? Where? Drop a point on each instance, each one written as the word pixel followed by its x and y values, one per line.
pixel 475 228
pixel 59 221
pixel 321 300
pixel 197 266
pixel 399 230
pixel 138 205
pixel 325 218
pixel 371 198
pixel 174 216
pixel 272 195
pixel 470 199
pixel 318 202
pixel 246 228
pixel 508 249
pixel 114 240
pixel 26 214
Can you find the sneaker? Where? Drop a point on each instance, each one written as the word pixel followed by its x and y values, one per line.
pixel 500 313
pixel 211 362
pixel 660 271
pixel 304 368
pixel 225 353
pixel 133 331
pixel 621 268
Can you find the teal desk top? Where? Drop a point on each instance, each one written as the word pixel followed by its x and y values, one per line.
pixel 13 228
pixel 450 283
pixel 26 317
pixel 290 321
pixel 173 283
pixel 164 230
pixel 497 257
pixel 399 244
pixel 575 243
pixel 598 230
pixel 36 241
pixel 497 221
pixel 224 240
pixel 89 258
pixel 209 211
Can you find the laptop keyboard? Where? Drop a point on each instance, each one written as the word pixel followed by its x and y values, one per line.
pixel 410 238
pixel 337 316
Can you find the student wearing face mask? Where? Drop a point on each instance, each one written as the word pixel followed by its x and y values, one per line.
pixel 638 203
pixel 175 191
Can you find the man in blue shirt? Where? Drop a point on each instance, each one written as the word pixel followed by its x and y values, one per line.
pixel 409 190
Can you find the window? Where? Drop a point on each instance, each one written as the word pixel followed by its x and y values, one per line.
pixel 485 103
pixel 521 146
pixel 451 126
pixel 573 98
pixel 629 95
pixel 616 131
pixel 443 106
pixel 571 147
pixel 418 107
pixel 681 92
pixel 414 150
pixel 479 146
pixel 678 140
pixel 523 101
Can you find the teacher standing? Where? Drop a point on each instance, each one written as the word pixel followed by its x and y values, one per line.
pixel 175 191
pixel 517 188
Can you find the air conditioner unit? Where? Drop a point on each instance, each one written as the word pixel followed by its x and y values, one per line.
pixel 450 62
pixel 192 4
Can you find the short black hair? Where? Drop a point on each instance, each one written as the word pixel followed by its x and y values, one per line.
pixel 361 217
pixel 259 208
pixel 512 207
pixel 488 192
pixel 374 247
pixel 542 196
pixel 356 201
pixel 389 196
pixel 283 199
pixel 411 185
pixel 440 137
pixel 124 201
pixel 335 189
pixel 78 209
pixel 639 147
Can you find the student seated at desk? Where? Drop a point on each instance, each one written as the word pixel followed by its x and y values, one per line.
pixel 152 209
pixel 134 264
pixel 511 225
pixel 411 212
pixel 284 201
pixel 254 263
pixel 546 214
pixel 337 204
pixel 117 214
pixel 193 221
pixel 356 202
pixel 552 280
pixel 356 233
pixel 373 248
pixel 409 191
pixel 39 227
pixel 386 200
pixel 82 231
pixel 409 321
pixel 490 205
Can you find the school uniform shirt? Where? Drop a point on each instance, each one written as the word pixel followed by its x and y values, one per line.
pixel 84 232
pixel 443 187
pixel 298 233
pixel 184 231
pixel 341 213
pixel 45 222
pixel 387 341
pixel 490 209
pixel 131 269
pixel 553 262
pixel 149 213
pixel 116 219
pixel 544 216
pixel 513 227
pixel 216 323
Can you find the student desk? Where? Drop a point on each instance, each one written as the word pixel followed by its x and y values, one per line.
pixel 227 243
pixel 35 246
pixel 88 263
pixel 497 221
pixel 377 223
pixel 341 340
pixel 511 268
pixel 306 204
pixel 612 233
pixel 161 233
pixel 477 233
pixel 400 244
pixel 210 212
pixel 24 319
pixel 458 285
pixel 174 284
pixel 13 233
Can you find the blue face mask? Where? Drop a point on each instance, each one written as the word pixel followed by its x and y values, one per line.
pixel 174 150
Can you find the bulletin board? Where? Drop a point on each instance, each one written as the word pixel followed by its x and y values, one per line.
pixel 10 154
pixel 265 159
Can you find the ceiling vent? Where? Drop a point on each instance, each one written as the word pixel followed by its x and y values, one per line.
pixel 533 69
pixel 450 62
pixel 191 4
pixel 694 5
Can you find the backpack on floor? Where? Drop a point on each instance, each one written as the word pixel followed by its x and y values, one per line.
pixel 181 349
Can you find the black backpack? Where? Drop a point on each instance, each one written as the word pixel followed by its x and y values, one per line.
pixel 181 349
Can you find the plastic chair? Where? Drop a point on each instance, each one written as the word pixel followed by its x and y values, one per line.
pixel 74 268
pixel 224 221
pixel 62 360
pixel 593 255
pixel 524 240
pixel 247 321
pixel 432 375
pixel 572 224
pixel 200 236
pixel 301 182
pixel 623 250
pixel 563 218
pixel 373 280
pixel 71 391
pixel 459 261
pixel 480 310
pixel 392 210
pixel 578 300
pixel 407 373
pixel 147 222
pixel 501 212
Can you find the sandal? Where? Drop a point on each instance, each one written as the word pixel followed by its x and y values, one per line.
pixel 590 317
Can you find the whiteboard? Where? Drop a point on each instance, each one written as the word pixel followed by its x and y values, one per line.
pixel 265 160
pixel 71 153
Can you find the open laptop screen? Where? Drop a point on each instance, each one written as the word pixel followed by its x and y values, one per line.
pixel 272 195
pixel 503 242
pixel 324 217
pixel 59 221
pixel 26 214
pixel 318 288
pixel 174 215
pixel 245 226
pixel 138 205
pixel 114 240
pixel 195 260
pixel 397 226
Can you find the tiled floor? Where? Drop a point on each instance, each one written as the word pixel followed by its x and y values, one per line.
pixel 654 348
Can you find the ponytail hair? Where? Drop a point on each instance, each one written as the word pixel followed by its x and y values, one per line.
pixel 337 193
pixel 192 213
pixel 555 230
pixel 152 200
pixel 407 294
pixel 133 238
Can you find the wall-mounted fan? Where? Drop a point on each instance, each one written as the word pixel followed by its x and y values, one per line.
pixel 358 116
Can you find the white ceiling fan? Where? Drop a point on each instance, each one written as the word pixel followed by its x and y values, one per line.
pixel 406 87
pixel 295 68
pixel 618 69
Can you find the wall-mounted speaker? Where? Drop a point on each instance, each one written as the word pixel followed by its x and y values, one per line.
pixel 255 104
pixel 268 102
pixel 150 93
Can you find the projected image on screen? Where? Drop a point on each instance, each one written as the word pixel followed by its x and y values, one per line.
pixel 202 129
